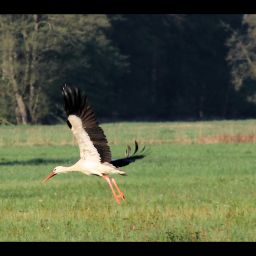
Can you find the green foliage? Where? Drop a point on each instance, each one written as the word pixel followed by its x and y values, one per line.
pixel 42 52
pixel 132 66
pixel 241 56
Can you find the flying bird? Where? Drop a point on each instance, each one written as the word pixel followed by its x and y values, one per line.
pixel 95 154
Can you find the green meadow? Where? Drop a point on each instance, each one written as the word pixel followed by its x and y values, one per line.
pixel 197 183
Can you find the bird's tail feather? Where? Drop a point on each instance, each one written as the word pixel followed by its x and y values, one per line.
pixel 129 158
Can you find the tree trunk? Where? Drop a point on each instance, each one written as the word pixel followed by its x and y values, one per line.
pixel 33 93
pixel 31 68
pixel 22 111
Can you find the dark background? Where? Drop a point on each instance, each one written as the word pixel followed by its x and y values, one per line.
pixel 149 67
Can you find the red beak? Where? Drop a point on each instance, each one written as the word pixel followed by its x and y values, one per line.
pixel 51 174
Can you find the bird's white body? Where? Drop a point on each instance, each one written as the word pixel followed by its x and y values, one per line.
pixel 89 168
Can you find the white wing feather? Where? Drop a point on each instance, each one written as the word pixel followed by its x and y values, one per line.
pixel 87 149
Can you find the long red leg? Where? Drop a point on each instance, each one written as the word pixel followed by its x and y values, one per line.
pixel 105 177
pixel 121 194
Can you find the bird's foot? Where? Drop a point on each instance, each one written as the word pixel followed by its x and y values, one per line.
pixel 118 199
pixel 122 196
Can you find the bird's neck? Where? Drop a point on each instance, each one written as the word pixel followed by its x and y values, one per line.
pixel 68 168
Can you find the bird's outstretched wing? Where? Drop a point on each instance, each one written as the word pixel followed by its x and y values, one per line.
pixel 82 121
pixel 129 158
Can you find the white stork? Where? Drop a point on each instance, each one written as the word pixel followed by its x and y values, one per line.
pixel 95 154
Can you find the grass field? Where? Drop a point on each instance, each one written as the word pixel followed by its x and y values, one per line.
pixel 197 184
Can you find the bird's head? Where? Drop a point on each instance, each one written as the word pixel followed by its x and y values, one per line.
pixel 55 171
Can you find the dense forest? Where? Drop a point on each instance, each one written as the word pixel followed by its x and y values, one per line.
pixel 132 66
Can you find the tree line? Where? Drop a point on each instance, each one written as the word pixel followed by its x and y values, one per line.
pixel 132 66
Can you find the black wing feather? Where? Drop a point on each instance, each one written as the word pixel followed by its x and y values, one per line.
pixel 77 104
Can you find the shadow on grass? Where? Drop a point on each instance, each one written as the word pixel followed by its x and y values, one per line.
pixel 35 161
